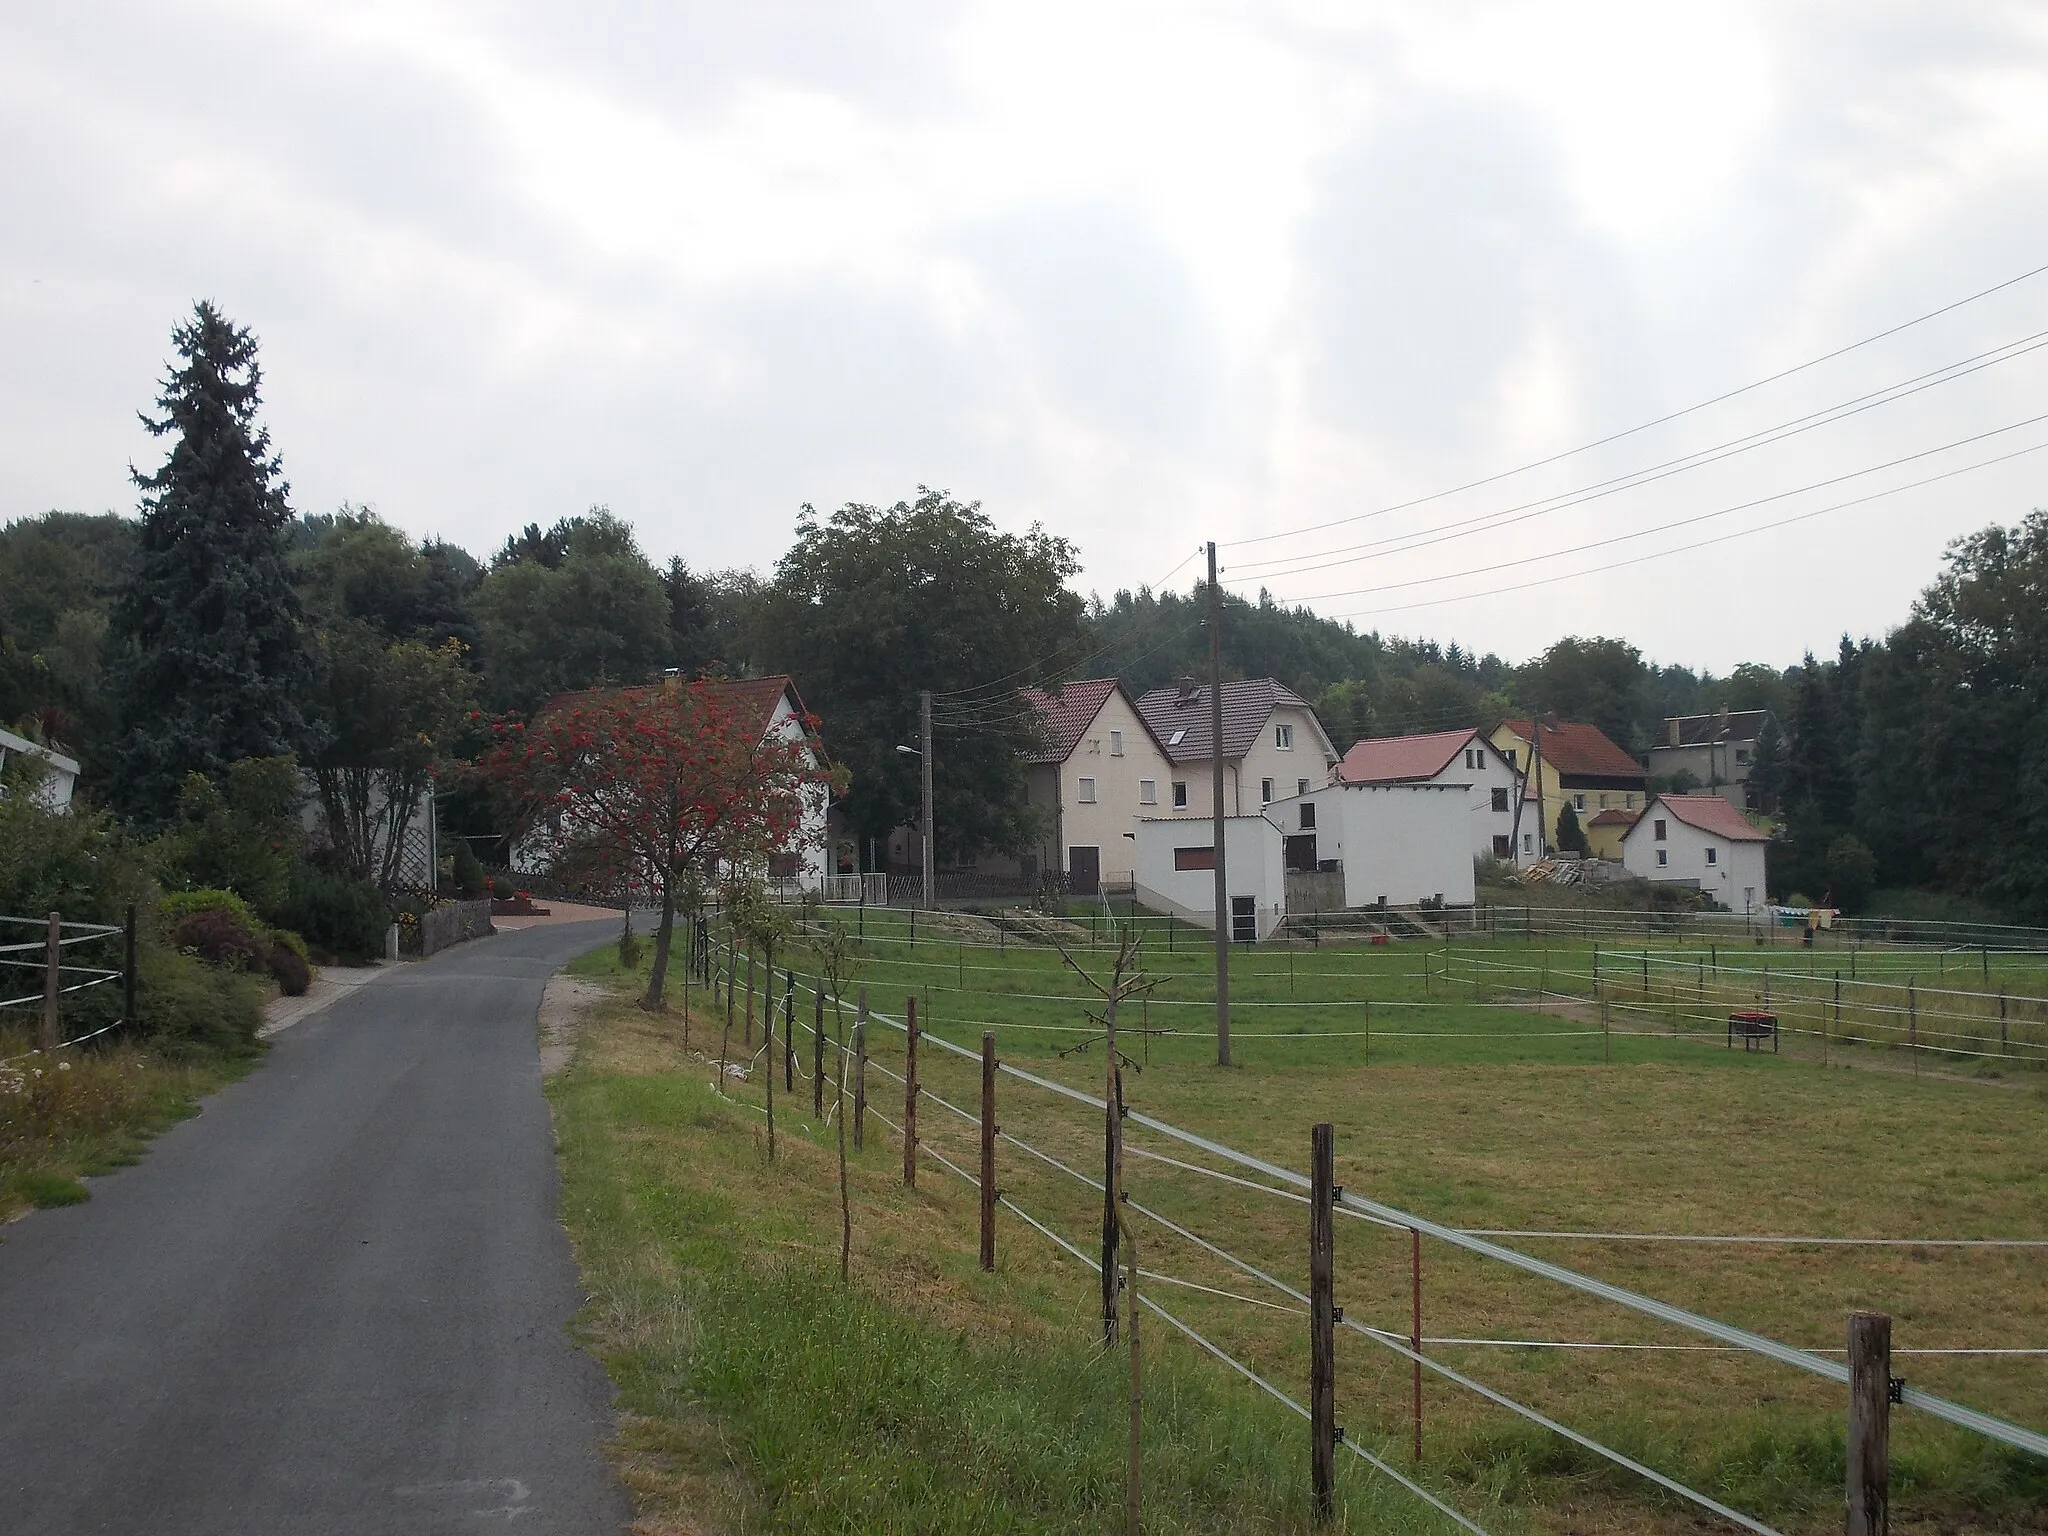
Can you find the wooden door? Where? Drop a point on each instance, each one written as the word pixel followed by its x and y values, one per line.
pixel 1084 871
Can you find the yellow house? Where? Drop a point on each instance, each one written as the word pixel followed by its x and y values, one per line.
pixel 1579 767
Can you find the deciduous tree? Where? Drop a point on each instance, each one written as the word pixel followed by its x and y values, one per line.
pixel 673 783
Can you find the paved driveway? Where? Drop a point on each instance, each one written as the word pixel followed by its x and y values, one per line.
pixel 334 1302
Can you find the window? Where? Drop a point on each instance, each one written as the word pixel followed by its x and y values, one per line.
pixel 1148 791
pixel 1503 846
pixel 1194 858
pixel 1265 791
pixel 1301 786
pixel 1528 842
pixel 1283 737
pixel 1509 754
pixel 1500 799
pixel 1663 856
pixel 1177 737
pixel 1308 815
pixel 1579 802
pixel 1742 754
pixel 1180 794
pixel 1116 743
pixel 1603 802
pixel 1713 855
pixel 1657 831
pixel 1086 793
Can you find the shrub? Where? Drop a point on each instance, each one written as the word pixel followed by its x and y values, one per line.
pixel 468 871
pixel 289 966
pixel 290 941
pixel 241 831
pixel 219 937
pixel 185 1007
pixel 174 905
pixel 338 914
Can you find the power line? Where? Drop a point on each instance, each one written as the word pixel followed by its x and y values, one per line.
pixel 1763 438
pixel 1616 437
pixel 1680 549
pixel 1684 522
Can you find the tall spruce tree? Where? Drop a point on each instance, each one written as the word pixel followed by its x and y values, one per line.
pixel 215 666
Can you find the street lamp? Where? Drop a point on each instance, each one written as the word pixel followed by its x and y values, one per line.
pixel 924 754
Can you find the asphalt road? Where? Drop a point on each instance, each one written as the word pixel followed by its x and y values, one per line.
pixel 334 1302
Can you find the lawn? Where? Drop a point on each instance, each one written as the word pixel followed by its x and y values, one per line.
pixel 1463 1101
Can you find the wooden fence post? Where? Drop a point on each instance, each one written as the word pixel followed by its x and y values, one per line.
pixel 910 1092
pixel 1112 1131
pixel 1870 1411
pixel 2004 1040
pixel 1913 1022
pixel 860 1069
pixel 1824 1028
pixel 768 1052
pixel 130 974
pixel 51 1034
pixel 988 1150
pixel 1322 1323
pixel 747 1037
pixel 818 1054
pixel 1415 1330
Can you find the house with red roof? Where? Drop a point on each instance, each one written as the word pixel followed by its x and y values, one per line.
pixel 1454 760
pixel 1701 841
pixel 1570 763
pixel 1097 771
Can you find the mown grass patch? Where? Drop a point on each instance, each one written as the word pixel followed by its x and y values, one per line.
pixel 758 1392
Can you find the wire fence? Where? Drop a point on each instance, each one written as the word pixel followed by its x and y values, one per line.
pixel 63 974
pixel 1250 1175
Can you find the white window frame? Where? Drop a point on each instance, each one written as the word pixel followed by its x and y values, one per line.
pixel 1265 791
pixel 1148 791
pixel 1301 786
pixel 1713 855
pixel 1116 743
pixel 1663 857
pixel 1084 790
pixel 1283 738
pixel 1180 794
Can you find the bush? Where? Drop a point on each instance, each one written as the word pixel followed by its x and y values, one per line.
pixel 1852 873
pixel 184 1007
pixel 174 905
pixel 219 937
pixel 468 871
pixel 338 914
pixel 241 831
pixel 289 966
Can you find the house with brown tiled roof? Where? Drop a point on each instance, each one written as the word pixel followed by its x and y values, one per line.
pixel 1097 770
pixel 1450 759
pixel 1580 766
pixel 1704 842
pixel 1273 745
pixel 1715 751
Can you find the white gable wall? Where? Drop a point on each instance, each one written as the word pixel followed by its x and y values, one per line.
pixel 1403 843
pixel 1734 879
pixel 1252 864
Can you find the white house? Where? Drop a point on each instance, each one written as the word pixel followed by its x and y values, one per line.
pixel 1177 864
pixel 1450 759
pixel 772 704
pixel 1401 844
pixel 1703 841
pixel 59 774
pixel 1099 771
pixel 1273 745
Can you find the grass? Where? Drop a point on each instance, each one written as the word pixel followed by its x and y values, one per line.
pixel 88 1111
pixel 759 1393
pixel 1466 1113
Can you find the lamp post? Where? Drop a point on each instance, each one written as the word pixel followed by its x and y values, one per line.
pixel 924 754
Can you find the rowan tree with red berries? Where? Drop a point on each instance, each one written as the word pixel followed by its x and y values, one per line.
pixel 671 787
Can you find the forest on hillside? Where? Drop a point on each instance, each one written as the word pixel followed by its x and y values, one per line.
pixel 1918 759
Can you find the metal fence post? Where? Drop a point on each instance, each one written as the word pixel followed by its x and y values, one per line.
pixel 910 1095
pixel 860 1069
pixel 988 1149
pixel 818 1054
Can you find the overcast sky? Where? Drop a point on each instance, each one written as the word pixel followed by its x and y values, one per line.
pixel 1148 275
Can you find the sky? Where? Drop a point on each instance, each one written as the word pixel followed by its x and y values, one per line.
pixel 1147 275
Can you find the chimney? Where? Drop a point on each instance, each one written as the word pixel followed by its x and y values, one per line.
pixel 1722 730
pixel 1673 730
pixel 1188 689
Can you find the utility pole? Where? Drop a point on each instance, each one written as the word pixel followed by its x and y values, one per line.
pixel 1216 813
pixel 1536 770
pixel 924 742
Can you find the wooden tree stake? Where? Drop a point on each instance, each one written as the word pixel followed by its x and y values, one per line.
pixel 988 1150
pixel 818 1056
pixel 910 1093
pixel 860 1070
pixel 1322 1324
pixel 51 1033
